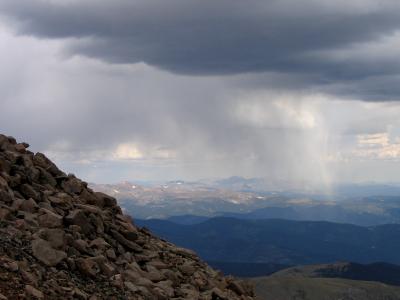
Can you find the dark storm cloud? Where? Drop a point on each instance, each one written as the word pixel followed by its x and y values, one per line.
pixel 215 37
pixel 94 117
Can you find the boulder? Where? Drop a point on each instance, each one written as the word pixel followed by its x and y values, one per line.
pixel 4 143
pixel 236 287
pixel 41 160
pixel 72 186
pixel 49 219
pixel 3 183
pixel 45 253
pixel 4 213
pixel 29 192
pixel 32 292
pixel 128 244
pixel 29 205
pixel 81 245
pixel 88 266
pixel 106 200
pixel 78 217
pixel 56 237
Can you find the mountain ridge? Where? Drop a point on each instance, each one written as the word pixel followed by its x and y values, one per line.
pixel 210 199
pixel 283 241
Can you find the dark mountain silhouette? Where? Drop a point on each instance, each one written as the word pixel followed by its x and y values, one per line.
pixel 282 241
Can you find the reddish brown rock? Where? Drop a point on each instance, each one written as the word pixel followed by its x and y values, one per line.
pixel 88 266
pixel 72 185
pixel 43 251
pixel 49 219
pixel 29 192
pixel 31 291
pixel 61 240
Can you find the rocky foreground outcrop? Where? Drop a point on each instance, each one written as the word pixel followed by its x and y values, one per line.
pixel 61 240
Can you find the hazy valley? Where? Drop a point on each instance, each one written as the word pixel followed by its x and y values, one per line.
pixel 293 244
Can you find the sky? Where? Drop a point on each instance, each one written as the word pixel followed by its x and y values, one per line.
pixel 304 92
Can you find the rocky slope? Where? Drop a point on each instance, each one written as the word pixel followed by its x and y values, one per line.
pixel 61 240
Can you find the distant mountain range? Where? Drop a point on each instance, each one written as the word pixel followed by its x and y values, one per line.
pixel 257 186
pixel 178 198
pixel 364 212
pixel 193 202
pixel 282 241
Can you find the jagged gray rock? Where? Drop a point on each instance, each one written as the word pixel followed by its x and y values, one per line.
pixel 61 240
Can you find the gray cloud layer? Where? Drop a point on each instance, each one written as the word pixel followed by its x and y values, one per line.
pixel 317 41
pixel 226 87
